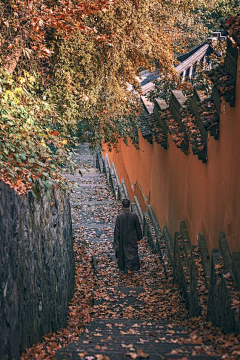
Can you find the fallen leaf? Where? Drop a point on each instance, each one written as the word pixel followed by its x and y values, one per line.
pixel 127 346
pixel 132 355
pixel 142 354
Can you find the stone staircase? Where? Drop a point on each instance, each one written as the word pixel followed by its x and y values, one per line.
pixel 126 333
pixel 130 318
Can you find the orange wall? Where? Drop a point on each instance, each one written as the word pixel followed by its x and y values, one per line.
pixel 180 187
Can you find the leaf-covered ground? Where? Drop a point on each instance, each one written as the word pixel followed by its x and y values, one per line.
pixel 101 291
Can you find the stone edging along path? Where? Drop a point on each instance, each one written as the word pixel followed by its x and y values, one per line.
pixel 126 317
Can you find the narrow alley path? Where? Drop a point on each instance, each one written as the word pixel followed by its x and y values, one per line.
pixel 126 317
pixel 138 316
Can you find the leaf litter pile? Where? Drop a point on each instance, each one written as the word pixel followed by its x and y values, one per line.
pixel 103 292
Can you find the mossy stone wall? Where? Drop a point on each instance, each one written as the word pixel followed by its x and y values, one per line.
pixel 36 266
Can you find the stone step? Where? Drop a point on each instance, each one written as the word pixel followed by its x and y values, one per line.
pixel 133 327
pixel 119 351
pixel 120 338
pixel 117 356
pixel 124 350
pixel 167 353
pixel 120 297
pixel 118 347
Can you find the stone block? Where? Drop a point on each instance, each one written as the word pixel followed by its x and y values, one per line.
pixel 163 125
pixel 107 167
pixel 114 181
pixel 176 131
pixel 157 243
pixel 121 194
pixel 161 248
pixel 199 121
pixel 178 98
pixel 144 127
pixel 197 96
pixel 159 109
pixel 139 210
pixel 148 105
pixel 133 207
pixel 176 106
pixel 153 219
pixel 149 232
pixel 205 258
pixel 236 268
pixel 126 196
pixel 115 174
pixel 160 104
pixel 169 245
pixel 99 161
pixel 194 304
pixel 214 312
pixel 229 309
pixel 185 240
pixel 181 274
pixel 225 252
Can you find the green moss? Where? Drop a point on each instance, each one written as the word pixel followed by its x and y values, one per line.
pixel 36 192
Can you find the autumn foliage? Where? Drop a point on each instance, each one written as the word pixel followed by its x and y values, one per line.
pixel 30 147
pixel 82 61
pixel 85 58
pixel 33 141
pixel 30 26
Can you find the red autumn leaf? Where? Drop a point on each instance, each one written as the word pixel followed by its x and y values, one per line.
pixel 19 182
pixel 54 133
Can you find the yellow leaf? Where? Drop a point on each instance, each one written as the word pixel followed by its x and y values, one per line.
pixel 43 143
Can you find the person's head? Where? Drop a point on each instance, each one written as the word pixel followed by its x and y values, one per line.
pixel 126 203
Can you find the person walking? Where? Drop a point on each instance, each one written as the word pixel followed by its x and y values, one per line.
pixel 127 233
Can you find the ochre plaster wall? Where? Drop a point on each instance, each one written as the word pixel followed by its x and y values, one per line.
pixel 180 187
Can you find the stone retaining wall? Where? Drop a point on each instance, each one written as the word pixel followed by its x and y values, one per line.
pixel 36 266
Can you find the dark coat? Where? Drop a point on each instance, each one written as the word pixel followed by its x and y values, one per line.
pixel 127 233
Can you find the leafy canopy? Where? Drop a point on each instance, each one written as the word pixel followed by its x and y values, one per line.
pixel 94 70
pixel 70 67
